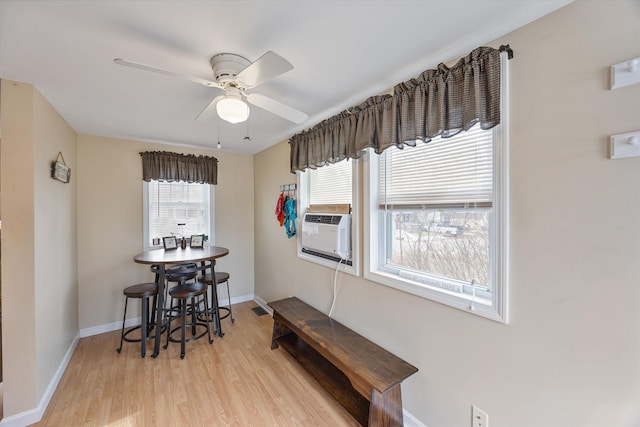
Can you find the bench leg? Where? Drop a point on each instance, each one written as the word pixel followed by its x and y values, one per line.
pixel 279 330
pixel 386 408
pixel 274 343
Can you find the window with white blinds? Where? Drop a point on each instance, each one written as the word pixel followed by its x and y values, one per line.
pixel 331 184
pixel 436 217
pixel 177 208
pixel 435 203
pixel 445 173
pixel 437 220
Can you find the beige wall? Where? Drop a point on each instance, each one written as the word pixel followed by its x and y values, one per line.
pixel 571 353
pixel 56 272
pixel 110 222
pixel 39 273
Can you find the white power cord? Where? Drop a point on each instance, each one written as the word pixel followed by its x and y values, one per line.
pixel 335 286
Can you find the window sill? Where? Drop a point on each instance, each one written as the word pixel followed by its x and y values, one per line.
pixel 441 296
pixel 345 268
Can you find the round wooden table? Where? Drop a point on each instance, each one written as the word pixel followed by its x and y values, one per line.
pixel 162 258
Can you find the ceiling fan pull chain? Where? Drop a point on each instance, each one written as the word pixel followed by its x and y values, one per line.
pixel 247 137
pixel 219 145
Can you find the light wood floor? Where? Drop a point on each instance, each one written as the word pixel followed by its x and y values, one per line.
pixel 236 381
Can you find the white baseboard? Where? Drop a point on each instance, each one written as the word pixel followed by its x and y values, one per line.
pixel 34 415
pixel 109 327
pixel 410 420
pixel 262 303
pixel 237 300
pixel 116 326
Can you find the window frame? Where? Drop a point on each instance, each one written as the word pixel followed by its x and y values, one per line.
pixel 498 237
pixel 302 206
pixel 146 240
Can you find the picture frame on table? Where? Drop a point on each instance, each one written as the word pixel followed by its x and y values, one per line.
pixel 197 241
pixel 170 243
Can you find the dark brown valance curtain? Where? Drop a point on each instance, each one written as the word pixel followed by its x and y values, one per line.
pixel 167 166
pixel 439 102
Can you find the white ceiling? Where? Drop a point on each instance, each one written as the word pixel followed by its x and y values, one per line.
pixel 343 52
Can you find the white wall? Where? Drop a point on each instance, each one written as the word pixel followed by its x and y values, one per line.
pixel 110 222
pixel 571 353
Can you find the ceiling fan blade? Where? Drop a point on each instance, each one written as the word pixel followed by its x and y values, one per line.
pixel 126 63
pixel 277 108
pixel 209 112
pixel 267 67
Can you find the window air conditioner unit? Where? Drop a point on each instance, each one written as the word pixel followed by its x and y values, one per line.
pixel 327 234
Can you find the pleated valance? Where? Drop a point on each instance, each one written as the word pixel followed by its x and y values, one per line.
pixel 167 166
pixel 440 102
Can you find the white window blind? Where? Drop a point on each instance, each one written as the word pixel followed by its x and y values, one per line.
pixel 331 184
pixel 174 203
pixel 446 172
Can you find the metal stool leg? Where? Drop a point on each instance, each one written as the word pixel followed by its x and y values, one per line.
pixel 144 326
pixel 229 299
pixel 126 301
pixel 169 318
pixel 151 323
pixel 206 310
pixel 194 316
pixel 183 327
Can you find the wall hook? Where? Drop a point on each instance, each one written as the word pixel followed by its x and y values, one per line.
pixel 625 73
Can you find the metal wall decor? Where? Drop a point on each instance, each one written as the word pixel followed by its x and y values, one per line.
pixel 59 169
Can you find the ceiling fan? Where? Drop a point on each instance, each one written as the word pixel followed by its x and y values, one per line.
pixel 234 74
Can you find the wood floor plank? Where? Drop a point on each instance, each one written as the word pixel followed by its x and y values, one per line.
pixel 236 381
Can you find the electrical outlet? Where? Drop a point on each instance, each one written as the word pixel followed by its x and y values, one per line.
pixel 479 418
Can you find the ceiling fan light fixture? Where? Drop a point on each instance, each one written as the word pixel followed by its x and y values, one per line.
pixel 232 109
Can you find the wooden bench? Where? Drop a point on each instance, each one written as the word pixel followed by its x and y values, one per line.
pixel 362 376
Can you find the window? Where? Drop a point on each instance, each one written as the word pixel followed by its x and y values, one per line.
pixel 177 208
pixel 330 184
pixel 437 220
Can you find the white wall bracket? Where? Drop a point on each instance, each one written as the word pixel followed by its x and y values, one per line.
pixel 625 73
pixel 625 145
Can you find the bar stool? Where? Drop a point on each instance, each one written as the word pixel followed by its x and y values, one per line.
pixel 141 291
pixel 177 274
pixel 187 295
pixel 221 277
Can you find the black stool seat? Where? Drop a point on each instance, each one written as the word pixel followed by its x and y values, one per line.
pixel 142 291
pixel 182 272
pixel 221 277
pixel 188 290
pixel 185 292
